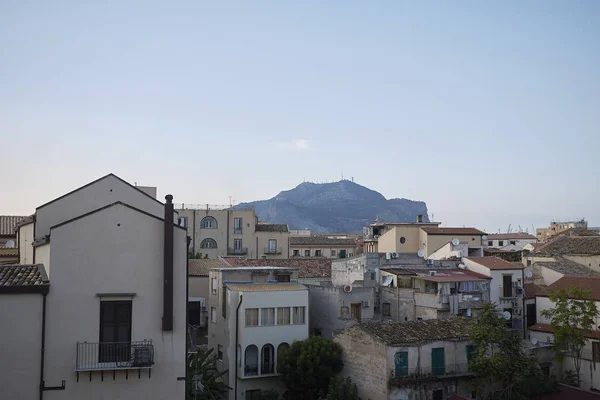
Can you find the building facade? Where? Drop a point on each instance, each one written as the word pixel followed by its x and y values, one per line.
pixel 558 227
pixel 515 241
pixel 322 246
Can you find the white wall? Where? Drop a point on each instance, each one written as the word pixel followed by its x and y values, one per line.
pixel 550 276
pixel 116 250
pixel 20 345
pixel 42 256
pixel 25 240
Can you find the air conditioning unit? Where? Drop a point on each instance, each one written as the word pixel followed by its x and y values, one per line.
pixel 432 273
pixel 366 304
pixel 519 291
pixel 394 255
pixel 516 284
pixel 376 237
pixel 429 261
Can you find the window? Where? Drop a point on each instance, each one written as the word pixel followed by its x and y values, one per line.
pixel 531 315
pixel 251 361
pixel 372 276
pixel 253 394
pixel 194 313
pixel 267 317
pixel 267 359
pixel 333 252
pixel 490 242
pixel 224 303
pixel 208 223
pixel 283 316
pixel 507 285
pixel 307 253
pixel 513 242
pixel 251 316
pixel 208 244
pixel 237 244
pixel 214 285
pixel 318 253
pixel 183 222
pixel 299 315
pixel 350 255
pixel 115 331
pixel 401 363
pixel 402 240
pixel 500 242
pixel 282 278
pixel 237 225
pixel 545 369
pixel 385 309
pixel 220 352
pixel 296 253
pixel 213 315
pixel 355 310
pixel 272 246
pixel 596 351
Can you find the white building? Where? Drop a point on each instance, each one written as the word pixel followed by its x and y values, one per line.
pixel 255 313
pixel 509 241
pixel 113 322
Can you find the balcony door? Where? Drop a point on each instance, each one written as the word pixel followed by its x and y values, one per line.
pixel 438 361
pixel 115 331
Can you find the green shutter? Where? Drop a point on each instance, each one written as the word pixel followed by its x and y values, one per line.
pixel 401 359
pixel 438 361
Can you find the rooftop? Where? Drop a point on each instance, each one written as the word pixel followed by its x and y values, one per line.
pixel 549 329
pixel 260 227
pixel 565 244
pixel 19 278
pixel 265 287
pixel 246 268
pixel 417 332
pixel 452 231
pixel 200 267
pixel 9 252
pixel 508 236
pixel 495 263
pixel 532 290
pixel 8 223
pixel 567 267
pixel 589 284
pixel 307 268
pixel 321 241
pixel 450 275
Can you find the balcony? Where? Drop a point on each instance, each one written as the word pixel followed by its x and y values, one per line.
pixel 414 375
pixel 238 250
pixel 114 356
pixel 237 231
pixel 251 370
pixel 272 250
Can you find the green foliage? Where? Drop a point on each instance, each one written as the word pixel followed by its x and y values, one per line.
pixel 308 366
pixel 569 377
pixel 202 367
pixel 197 256
pixel 502 368
pixel 572 319
pixel 341 389
pixel 269 395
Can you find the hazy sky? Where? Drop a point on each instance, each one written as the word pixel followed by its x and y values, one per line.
pixel 488 111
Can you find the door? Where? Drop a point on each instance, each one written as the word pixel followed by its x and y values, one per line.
pixel 355 311
pixel 115 331
pixel 507 286
pixel 401 359
pixel 471 353
pixel 342 253
pixel 438 361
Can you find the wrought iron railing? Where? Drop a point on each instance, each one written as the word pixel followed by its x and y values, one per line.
pixel 251 370
pixel 238 250
pixel 422 373
pixel 114 355
pixel 272 250
pixel 237 230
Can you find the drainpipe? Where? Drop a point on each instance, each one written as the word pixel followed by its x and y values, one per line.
pixel 41 387
pixel 237 324
pixel 167 321
pixel 227 236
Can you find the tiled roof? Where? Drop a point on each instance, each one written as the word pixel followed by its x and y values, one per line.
pixel 549 329
pixel 567 267
pixel 271 228
pixel 200 267
pixel 8 224
pixel 452 231
pixel 266 287
pixel 588 245
pixel 586 283
pixel 415 332
pixel 532 290
pixel 495 263
pixel 320 241
pixel 22 275
pixel 451 275
pixel 508 236
pixel 307 268
pixel 9 252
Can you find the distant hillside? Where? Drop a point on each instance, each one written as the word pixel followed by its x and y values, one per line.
pixel 342 206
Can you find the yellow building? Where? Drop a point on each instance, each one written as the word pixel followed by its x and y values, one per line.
pixel 558 227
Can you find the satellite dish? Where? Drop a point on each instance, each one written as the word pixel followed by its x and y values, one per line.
pixel 455 241
pixel 528 274
pixel 10 244
pixel 421 253
pixel 462 266
pixel 506 315
pixel 348 288
pixel 534 341
pixel 484 237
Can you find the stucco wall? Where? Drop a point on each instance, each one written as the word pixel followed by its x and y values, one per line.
pixel 346 271
pixel 262 242
pixel 434 242
pixel 198 286
pixel 99 194
pixel 549 275
pixel 402 304
pixel 588 261
pixel 20 338
pixel 42 256
pixel 116 250
pixel 25 240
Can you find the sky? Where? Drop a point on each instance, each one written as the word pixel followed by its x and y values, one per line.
pixel 487 111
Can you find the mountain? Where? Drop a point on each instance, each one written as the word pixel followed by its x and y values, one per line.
pixel 342 206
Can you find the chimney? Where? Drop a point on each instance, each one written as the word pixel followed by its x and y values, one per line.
pixel 419 218
pixel 167 321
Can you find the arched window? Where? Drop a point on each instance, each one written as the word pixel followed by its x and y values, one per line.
pixel 280 349
pixel 208 244
pixel 251 361
pixel 267 359
pixel 208 223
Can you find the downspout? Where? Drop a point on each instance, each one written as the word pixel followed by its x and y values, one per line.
pixel 41 387
pixel 193 232
pixel 167 319
pixel 237 324
pixel 227 236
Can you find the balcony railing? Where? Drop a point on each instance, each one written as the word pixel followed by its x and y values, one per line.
pixel 272 250
pixel 267 369
pixel 237 230
pixel 238 250
pixel 114 355
pixel 251 370
pixel 402 375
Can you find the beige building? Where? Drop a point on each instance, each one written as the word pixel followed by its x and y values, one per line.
pixel 113 323
pixel 409 231
pixel 255 313
pixel 322 246
pixel 510 241
pixel 557 227
pixel 9 243
pixel 231 231
pixel 408 360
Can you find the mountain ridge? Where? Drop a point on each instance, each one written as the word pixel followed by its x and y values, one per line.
pixel 342 206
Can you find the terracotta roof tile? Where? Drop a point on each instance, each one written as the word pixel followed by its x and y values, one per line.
pixel 266 287
pixel 508 236
pixel 452 231
pixel 9 252
pixel 414 332
pixel 451 275
pixel 307 268
pixel 8 224
pixel 23 275
pixel 321 241
pixel 567 267
pixel 495 263
pixel 586 283
pixel 200 267
pixel 549 329
pixel 271 228
pixel 588 245
pixel 532 290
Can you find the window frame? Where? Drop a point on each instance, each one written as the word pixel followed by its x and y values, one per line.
pixel 206 241
pixel 295 312
pixel 213 315
pixel 211 219
pixel 246 319
pixel 384 312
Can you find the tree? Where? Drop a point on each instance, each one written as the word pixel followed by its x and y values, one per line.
pixel 308 366
pixel 572 320
pixel 341 389
pixel 269 395
pixel 205 382
pixel 501 367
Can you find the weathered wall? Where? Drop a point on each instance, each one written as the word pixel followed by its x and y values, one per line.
pixel 261 244
pixel 587 261
pixel 198 286
pixel 346 271
pixel 402 304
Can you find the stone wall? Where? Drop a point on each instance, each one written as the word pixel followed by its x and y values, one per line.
pixel 402 304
